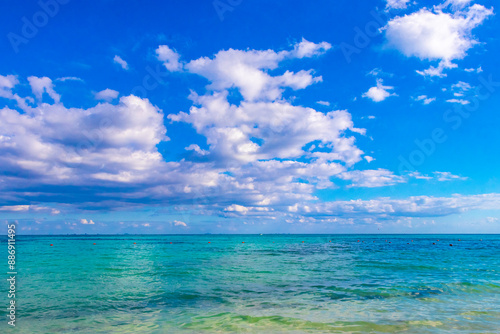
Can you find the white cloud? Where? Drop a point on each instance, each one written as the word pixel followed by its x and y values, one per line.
pixel 179 223
pixel 248 71
pixel 262 153
pixel 169 57
pixel 371 178
pixel 309 49
pixel 438 71
pixel 106 95
pixel 436 35
pixel 8 81
pixel 379 92
pixel 461 101
pixel 425 99
pixel 197 149
pixel 29 208
pixel 237 208
pixel 117 59
pixel 447 176
pixel 378 72
pixel 396 4
pixel 43 85
pixel 414 206
pixel 283 129
pixel 419 176
pixel 87 222
pixel 477 70
pixel 456 4
pixel 460 88
pixel 323 103
pixel 15 208
pixel 263 125
pixel 108 153
pixel 57 145
pixel 63 79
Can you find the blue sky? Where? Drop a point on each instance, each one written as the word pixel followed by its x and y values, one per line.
pixel 250 117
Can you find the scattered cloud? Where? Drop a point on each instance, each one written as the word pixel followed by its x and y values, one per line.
pixel 86 222
pixel 396 4
pixel 179 223
pixel 460 88
pixel 117 59
pixel 306 49
pixel 447 176
pixel 477 70
pixel 378 72
pixel 425 99
pixel 379 92
pixel 106 95
pixel 461 101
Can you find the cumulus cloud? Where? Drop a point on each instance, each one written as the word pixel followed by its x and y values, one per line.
pixel 169 57
pixel 107 156
pixel 87 222
pixel 42 85
pixel 52 144
pixel 117 59
pixel 309 49
pixel 106 95
pixel 262 153
pixel 436 35
pixel 248 70
pixel 379 92
pixel 263 125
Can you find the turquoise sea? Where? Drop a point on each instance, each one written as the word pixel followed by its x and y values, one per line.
pixel 256 284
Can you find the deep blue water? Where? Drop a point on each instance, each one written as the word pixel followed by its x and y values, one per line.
pixel 268 284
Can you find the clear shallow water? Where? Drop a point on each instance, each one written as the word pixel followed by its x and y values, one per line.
pixel 269 284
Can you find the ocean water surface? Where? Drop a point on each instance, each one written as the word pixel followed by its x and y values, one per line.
pixel 256 284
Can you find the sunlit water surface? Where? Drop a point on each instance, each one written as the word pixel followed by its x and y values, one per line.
pixel 268 284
